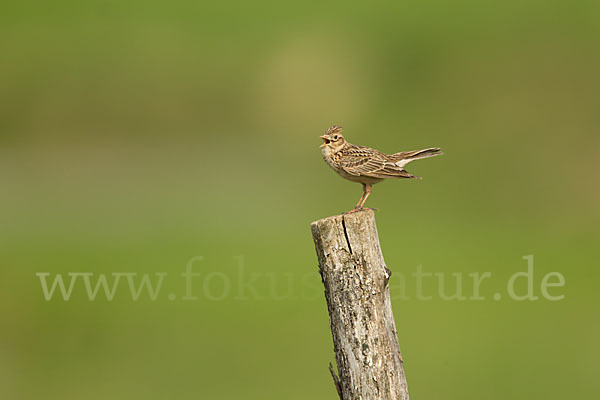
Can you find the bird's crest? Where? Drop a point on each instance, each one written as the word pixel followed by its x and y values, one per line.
pixel 334 129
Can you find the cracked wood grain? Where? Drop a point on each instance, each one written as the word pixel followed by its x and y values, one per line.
pixel 369 364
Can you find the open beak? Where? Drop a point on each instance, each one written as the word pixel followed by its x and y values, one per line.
pixel 325 140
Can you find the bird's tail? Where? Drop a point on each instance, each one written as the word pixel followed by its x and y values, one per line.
pixel 417 155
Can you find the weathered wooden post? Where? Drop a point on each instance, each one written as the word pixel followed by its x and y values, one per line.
pixel 360 311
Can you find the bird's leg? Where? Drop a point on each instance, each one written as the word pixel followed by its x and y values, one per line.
pixel 358 205
pixel 367 189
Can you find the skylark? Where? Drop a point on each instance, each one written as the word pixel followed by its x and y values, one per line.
pixel 365 165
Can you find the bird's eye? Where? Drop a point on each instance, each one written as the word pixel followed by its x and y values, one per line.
pixel 335 137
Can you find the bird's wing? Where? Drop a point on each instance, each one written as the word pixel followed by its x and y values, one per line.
pixel 363 161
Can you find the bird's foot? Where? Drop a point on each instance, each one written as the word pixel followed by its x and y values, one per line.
pixel 357 209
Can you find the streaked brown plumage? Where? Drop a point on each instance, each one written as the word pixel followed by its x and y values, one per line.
pixel 365 165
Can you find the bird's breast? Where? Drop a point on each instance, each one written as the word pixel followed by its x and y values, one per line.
pixel 329 157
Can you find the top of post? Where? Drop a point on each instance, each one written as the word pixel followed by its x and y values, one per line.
pixel 362 215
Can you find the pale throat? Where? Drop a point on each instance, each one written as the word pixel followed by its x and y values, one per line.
pixel 328 155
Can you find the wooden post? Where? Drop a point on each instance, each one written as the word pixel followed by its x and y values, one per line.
pixel 360 311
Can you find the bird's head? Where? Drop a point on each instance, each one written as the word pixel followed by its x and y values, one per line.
pixel 333 138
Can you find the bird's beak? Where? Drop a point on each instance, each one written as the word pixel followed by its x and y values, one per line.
pixel 325 140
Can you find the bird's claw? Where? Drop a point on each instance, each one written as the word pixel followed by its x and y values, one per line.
pixel 357 209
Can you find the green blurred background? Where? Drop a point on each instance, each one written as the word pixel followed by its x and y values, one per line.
pixel 135 135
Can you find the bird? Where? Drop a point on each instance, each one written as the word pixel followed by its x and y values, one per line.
pixel 366 165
